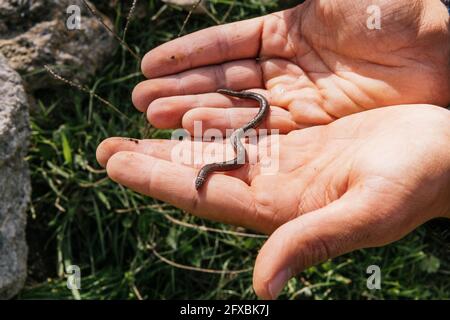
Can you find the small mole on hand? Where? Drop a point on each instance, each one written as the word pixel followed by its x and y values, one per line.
pixel 133 140
pixel 172 57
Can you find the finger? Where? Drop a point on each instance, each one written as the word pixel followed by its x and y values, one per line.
pixel 234 41
pixel 223 198
pixel 189 153
pixel 195 154
pixel 198 121
pixel 239 75
pixel 167 113
pixel 307 240
pixel 158 148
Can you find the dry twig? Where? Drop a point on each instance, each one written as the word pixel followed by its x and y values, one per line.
pixel 191 268
pixel 100 19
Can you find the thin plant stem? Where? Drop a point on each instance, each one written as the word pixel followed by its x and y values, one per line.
pixel 100 19
pixel 129 17
pixel 84 89
pixel 214 230
pixel 191 268
pixel 227 14
pixel 188 17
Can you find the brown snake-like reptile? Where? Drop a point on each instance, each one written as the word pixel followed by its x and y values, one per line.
pixel 236 137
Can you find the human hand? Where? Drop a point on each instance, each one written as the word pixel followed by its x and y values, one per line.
pixel 362 181
pixel 316 62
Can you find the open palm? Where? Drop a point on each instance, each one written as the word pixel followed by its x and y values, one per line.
pixel 365 180
pixel 315 63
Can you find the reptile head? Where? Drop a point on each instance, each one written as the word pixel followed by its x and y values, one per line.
pixel 199 182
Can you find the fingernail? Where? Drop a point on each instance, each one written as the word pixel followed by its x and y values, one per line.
pixel 278 283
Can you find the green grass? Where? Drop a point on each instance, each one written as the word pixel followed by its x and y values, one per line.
pixel 80 217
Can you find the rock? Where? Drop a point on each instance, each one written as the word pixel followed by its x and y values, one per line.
pixel 34 34
pixel 14 181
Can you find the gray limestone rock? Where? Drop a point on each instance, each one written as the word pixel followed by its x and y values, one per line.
pixel 36 33
pixel 14 181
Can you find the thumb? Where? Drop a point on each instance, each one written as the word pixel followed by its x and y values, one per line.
pixel 307 240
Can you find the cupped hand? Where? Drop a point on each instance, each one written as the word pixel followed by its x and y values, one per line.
pixel 362 181
pixel 315 63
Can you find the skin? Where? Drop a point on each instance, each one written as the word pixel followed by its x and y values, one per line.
pixel 356 177
pixel 315 63
pixel 236 137
pixel 362 181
